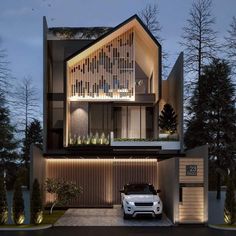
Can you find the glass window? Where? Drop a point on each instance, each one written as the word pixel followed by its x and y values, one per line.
pixel 133 122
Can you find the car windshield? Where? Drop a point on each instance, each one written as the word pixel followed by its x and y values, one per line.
pixel 139 189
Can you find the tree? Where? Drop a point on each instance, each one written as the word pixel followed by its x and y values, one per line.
pixel 18 204
pixel 33 136
pixel 8 144
pixel 149 16
pixel 4 71
pixel 28 109
pixel 230 202
pixel 168 119
pixel 198 41
pixel 3 202
pixel 213 118
pixel 64 191
pixel 36 206
pixel 230 45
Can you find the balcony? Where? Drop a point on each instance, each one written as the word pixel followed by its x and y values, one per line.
pixel 108 140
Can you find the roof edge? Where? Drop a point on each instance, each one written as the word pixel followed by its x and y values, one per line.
pixel 135 16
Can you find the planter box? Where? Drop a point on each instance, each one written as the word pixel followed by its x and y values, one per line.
pixel 165 145
pixel 163 135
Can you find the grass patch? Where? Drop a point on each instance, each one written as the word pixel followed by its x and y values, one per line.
pixel 14 226
pixel 47 220
pixel 226 225
pixel 51 219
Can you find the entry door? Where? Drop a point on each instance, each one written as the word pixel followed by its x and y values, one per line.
pixel 191 206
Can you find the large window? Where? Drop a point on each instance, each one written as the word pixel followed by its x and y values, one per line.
pixel 133 122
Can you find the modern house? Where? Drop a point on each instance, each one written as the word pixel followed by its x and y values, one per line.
pixel 103 93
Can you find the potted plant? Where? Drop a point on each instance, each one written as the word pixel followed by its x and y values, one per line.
pixel 167 121
pixel 93 139
pixel 102 138
pixel 79 140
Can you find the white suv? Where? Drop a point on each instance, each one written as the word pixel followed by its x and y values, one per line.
pixel 141 198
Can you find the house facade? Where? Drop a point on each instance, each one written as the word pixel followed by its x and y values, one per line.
pixel 103 94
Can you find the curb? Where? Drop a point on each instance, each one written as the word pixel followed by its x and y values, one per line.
pixel 221 228
pixel 25 229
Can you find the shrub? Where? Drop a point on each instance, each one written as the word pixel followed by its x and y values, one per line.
pixel 230 203
pixel 3 202
pixel 62 190
pixel 18 204
pixel 36 205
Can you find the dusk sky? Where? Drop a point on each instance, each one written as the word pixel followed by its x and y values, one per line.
pixel 21 25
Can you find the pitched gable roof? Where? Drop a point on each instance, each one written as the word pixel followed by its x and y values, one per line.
pixel 133 19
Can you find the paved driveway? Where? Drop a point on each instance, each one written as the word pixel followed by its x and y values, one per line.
pixel 106 217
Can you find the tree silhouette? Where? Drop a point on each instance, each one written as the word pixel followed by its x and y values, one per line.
pixel 168 119
pixel 213 118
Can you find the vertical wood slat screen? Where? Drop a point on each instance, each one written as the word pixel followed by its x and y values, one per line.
pixel 192 207
pixel 101 179
pixel 107 73
pixel 132 172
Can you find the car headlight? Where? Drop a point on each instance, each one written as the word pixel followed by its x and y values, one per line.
pixel 129 203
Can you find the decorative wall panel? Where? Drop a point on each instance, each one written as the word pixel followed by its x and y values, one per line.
pixel 107 73
pixel 101 179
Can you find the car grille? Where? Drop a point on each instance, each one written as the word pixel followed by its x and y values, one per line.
pixel 143 203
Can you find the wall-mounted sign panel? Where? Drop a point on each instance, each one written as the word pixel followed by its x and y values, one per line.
pixel 191 170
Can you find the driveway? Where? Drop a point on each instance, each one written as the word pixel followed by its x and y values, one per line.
pixel 106 217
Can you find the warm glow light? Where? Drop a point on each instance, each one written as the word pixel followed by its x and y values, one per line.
pixel 101 98
pixel 20 219
pixel 100 159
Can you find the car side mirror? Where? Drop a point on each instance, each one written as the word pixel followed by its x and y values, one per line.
pixel 158 191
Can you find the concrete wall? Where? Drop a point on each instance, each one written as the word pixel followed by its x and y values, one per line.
pixel 101 179
pixel 169 186
pixel 78 119
pixel 202 152
pixel 172 93
pixel 37 165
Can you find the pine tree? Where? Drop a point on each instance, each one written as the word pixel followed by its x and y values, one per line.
pixel 213 117
pixel 34 136
pixel 230 202
pixel 168 119
pixel 36 205
pixel 3 202
pixel 8 144
pixel 18 204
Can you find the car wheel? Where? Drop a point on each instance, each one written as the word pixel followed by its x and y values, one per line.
pixel 159 216
pixel 126 216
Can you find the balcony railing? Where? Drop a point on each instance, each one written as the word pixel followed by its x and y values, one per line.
pixel 102 139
